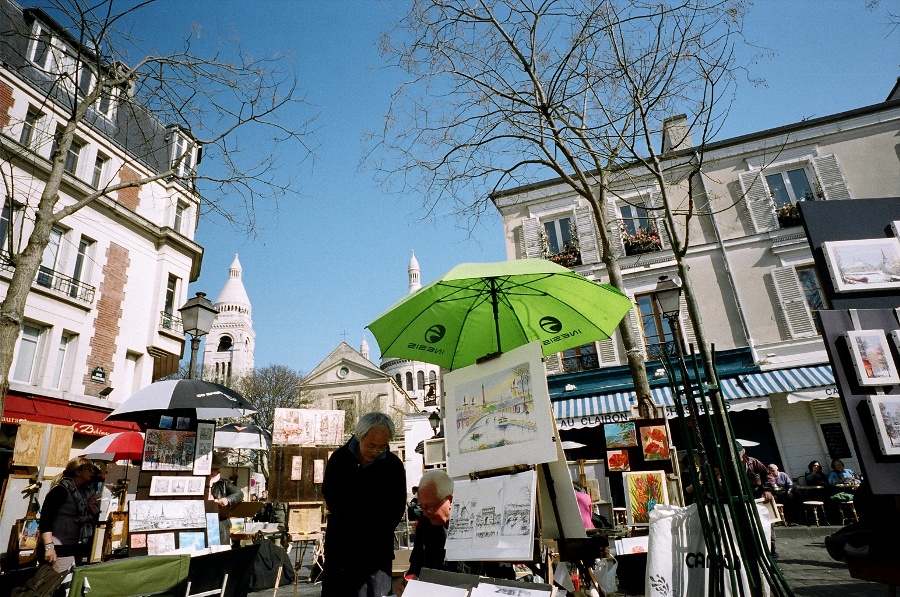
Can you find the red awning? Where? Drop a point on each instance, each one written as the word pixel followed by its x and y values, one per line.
pixel 82 418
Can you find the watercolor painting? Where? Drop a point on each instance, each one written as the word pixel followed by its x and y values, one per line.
pixel 308 427
pixel 169 450
pixel 872 358
pixel 498 413
pixel 655 442
pixel 886 414
pixel 643 491
pixel 620 435
pixel 159 543
pixel 194 540
pixel 618 460
pixel 865 264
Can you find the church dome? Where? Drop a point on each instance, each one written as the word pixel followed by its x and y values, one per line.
pixel 233 293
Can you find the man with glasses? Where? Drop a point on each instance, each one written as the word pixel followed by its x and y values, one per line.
pixel 365 492
pixel 436 502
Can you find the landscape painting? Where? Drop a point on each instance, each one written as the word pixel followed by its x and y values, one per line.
pixel 620 435
pixel 866 264
pixel 886 414
pixel 498 413
pixel 872 358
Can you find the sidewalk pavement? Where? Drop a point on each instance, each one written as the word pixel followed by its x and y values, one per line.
pixel 806 565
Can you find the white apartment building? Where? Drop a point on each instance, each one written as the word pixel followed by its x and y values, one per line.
pixel 101 320
pixel 750 265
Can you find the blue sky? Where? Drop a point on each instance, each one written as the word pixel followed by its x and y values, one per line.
pixel 334 258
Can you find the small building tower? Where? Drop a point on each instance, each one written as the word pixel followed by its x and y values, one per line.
pixel 228 353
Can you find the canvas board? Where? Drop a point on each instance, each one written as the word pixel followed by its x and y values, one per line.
pixel 171 485
pixel 872 359
pixel 31 442
pixel 643 491
pixel 169 450
pixel 308 427
pixel 304 519
pixel 885 411
pixel 497 414
pixel 435 452
pixel 493 518
pixel 158 515
pixel 864 264
pixel 562 501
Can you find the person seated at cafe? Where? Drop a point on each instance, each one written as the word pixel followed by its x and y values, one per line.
pixel 840 475
pixel 781 482
pixel 814 476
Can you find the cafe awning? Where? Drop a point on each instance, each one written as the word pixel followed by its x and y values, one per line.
pixel 82 418
pixel 742 392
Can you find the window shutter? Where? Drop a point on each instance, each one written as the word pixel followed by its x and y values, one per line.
pixel 606 352
pixel 797 317
pixel 657 216
pixel 759 203
pixel 831 178
pixel 552 364
pixel 686 326
pixel 587 235
pixel 531 233
pixel 635 322
pixel 613 221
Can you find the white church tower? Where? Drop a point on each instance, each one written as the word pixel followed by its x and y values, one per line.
pixel 228 353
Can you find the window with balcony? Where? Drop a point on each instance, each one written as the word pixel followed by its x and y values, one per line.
pixel 639 232
pixel 28 355
pixel 81 274
pixel 658 335
pixel 582 358
pixel 559 242
pixel 6 229
pixel 50 259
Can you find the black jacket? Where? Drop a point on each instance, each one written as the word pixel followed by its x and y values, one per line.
pixel 365 504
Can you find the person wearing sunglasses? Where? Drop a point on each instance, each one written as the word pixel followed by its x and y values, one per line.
pixel 365 492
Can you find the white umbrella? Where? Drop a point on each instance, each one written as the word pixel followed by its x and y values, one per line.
pixel 240 436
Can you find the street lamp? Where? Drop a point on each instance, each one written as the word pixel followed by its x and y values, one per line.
pixel 197 317
pixel 434 419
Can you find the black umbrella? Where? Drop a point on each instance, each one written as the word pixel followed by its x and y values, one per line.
pixel 193 398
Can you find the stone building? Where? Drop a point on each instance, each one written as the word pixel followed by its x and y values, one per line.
pixel 228 349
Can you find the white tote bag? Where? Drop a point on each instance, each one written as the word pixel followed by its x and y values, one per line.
pixel 677 554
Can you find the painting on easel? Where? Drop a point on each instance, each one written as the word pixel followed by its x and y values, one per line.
pixel 497 414
pixel 644 490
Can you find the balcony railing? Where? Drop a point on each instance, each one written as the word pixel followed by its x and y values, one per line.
pixel 170 323
pixel 583 362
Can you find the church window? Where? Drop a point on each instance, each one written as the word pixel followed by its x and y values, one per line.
pixel 399 380
pixel 420 380
pixel 409 381
pixel 225 344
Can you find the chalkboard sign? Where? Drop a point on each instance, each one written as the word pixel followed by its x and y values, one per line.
pixel 835 440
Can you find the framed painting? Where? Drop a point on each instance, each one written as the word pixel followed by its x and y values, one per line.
pixel 158 515
pixel 308 427
pixel 655 442
pixel 28 534
pixel 160 543
pixel 497 413
pixel 620 435
pixel 118 529
pixel 872 358
pixel 643 491
pixel 169 450
pixel 435 453
pixel 618 460
pixel 865 264
pixel 170 485
pixel 193 540
pixel 885 411
pixel 204 448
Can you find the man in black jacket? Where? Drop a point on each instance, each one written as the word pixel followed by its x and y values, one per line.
pixel 224 493
pixel 365 492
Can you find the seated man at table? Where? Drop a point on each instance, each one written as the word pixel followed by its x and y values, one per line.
pixel 435 503
pixel 783 489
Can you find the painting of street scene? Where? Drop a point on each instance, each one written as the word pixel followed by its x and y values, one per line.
pixel 866 264
pixel 308 427
pixel 169 450
pixel 498 414
pixel 886 412
pixel 158 515
pixel 872 358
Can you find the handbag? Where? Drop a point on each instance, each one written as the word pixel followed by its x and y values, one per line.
pixel 43 584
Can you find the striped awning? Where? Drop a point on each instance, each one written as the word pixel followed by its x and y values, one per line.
pixel 588 411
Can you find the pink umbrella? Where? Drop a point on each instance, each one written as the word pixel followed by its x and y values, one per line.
pixel 127 445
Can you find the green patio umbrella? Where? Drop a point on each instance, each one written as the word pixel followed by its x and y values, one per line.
pixel 478 309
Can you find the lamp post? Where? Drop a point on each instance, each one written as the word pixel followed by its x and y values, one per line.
pixel 197 317
pixel 434 419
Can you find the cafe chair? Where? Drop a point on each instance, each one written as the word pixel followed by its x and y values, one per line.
pixel 812 509
pixel 848 513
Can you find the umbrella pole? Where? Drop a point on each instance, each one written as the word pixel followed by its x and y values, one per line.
pixel 495 305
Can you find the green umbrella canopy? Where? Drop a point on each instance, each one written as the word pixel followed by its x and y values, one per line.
pixel 477 309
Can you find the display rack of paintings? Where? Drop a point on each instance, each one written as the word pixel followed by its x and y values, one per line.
pixel 863 264
pixel 637 445
pixel 872 359
pixel 497 414
pixel 885 411
pixel 308 427
pixel 644 490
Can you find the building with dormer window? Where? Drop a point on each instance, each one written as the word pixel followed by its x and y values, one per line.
pixel 101 320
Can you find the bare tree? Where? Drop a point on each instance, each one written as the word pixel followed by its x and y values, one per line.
pixel 221 100
pixel 505 92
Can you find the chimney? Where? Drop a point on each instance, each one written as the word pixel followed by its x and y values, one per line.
pixel 676 134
